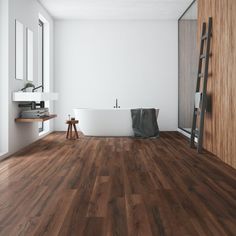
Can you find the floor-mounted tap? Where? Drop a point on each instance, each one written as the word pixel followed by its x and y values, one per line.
pixel 116 106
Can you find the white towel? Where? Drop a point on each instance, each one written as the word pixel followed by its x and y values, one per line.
pixel 198 100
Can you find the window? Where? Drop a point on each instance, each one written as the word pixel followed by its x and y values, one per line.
pixel 44 65
pixel 41 62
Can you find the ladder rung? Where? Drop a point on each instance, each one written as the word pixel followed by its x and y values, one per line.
pixel 196 132
pixel 205 36
pixel 202 56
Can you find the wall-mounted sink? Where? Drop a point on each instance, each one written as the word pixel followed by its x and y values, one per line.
pixel 36 96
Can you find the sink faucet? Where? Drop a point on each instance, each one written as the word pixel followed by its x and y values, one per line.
pixel 41 86
pixel 116 106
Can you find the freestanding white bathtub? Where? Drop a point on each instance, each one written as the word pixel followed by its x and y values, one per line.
pixel 105 122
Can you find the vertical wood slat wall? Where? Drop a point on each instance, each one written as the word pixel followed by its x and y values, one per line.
pixel 220 123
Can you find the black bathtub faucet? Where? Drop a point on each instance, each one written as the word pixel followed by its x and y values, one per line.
pixel 116 106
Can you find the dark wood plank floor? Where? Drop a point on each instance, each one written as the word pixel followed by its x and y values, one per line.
pixel 116 186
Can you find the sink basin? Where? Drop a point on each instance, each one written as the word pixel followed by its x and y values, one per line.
pixel 31 97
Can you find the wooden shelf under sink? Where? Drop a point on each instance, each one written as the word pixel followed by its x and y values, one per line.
pixel 25 120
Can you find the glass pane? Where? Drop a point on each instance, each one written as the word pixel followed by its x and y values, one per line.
pixel 40 54
pixel 188 63
pixel 40 63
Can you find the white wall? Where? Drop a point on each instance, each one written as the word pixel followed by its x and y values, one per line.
pixel 134 61
pixel 27 12
pixel 4 81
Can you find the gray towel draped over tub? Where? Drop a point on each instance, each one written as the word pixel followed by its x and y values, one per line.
pixel 144 123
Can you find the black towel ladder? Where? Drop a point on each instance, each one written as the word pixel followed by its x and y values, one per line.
pixel 201 88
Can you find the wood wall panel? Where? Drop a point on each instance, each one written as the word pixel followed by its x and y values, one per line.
pixel 220 123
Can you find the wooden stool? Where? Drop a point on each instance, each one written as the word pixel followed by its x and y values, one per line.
pixel 71 123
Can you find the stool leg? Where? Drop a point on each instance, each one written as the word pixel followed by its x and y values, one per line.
pixel 71 131
pixel 68 130
pixel 76 132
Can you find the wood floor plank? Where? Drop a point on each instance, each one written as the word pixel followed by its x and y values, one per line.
pixel 53 219
pixel 116 220
pixel 116 186
pixel 99 198
pixel 137 218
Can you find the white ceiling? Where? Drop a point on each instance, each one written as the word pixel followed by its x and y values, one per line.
pixel 116 9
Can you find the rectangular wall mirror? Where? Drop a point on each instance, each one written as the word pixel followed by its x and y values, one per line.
pixel 19 50
pixel 30 55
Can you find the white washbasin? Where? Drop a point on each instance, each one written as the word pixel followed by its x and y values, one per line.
pixel 31 97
